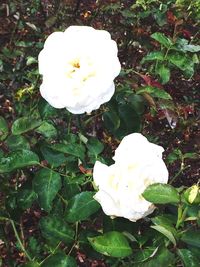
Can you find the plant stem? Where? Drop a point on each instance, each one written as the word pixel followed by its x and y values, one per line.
pixel 50 253
pixel 19 240
pixel 178 173
pixel 79 124
pixel 76 237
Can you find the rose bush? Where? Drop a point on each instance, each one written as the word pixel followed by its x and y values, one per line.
pixel 78 68
pixel 138 163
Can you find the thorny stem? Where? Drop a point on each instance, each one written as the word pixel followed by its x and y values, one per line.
pixel 19 240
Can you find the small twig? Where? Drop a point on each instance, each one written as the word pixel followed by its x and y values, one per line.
pixel 19 240
pixel 50 253
pixel 178 173
pixel 22 232
pixel 76 239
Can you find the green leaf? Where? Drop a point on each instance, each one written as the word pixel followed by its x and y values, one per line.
pixel 192 48
pixel 191 237
pixel 15 142
pixel 111 120
pixel 182 45
pixel 162 39
pixel 166 220
pixel 18 159
pixel 142 255
pixel 155 92
pixel 46 184
pixel 138 103
pixel 46 110
pixel 163 230
pixel 130 118
pixel 176 154
pixel 192 194
pixel 47 130
pixel 188 258
pixel 81 206
pixel 3 128
pixel 70 189
pixel 162 258
pixel 53 157
pixel 94 146
pixel 25 198
pixel 25 124
pixel 191 155
pixel 161 194
pixel 32 264
pixel 59 260
pixel 77 150
pixel 155 55
pixel 55 228
pixel 163 72
pixel 31 60
pixel 182 62
pixel 112 244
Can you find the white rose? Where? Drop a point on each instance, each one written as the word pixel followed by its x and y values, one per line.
pixel 138 163
pixel 78 68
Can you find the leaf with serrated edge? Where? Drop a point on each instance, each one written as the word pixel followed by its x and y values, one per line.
pixel 112 244
pixel 161 194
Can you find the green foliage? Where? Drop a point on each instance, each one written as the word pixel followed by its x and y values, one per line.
pixel 191 237
pixel 176 53
pixel 18 159
pixel 25 198
pixel 16 142
pixel 59 259
pixel 111 244
pixel 24 124
pixel 155 92
pixel 81 206
pixel 188 258
pixel 47 154
pixel 46 184
pixel 3 128
pixel 55 228
pixel 161 194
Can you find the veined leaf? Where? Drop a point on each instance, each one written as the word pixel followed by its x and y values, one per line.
pixel 188 258
pixel 155 92
pixel 56 228
pixel 18 159
pixel 77 150
pixel 3 128
pixel 191 237
pixel 161 194
pixel 59 259
pixel 112 244
pixel 25 124
pixel 163 230
pixel 162 39
pixel 46 184
pixel 81 206
pixel 155 55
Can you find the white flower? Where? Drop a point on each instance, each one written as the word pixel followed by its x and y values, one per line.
pixel 78 68
pixel 138 163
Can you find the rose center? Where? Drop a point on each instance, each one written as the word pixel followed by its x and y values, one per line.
pixel 76 65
